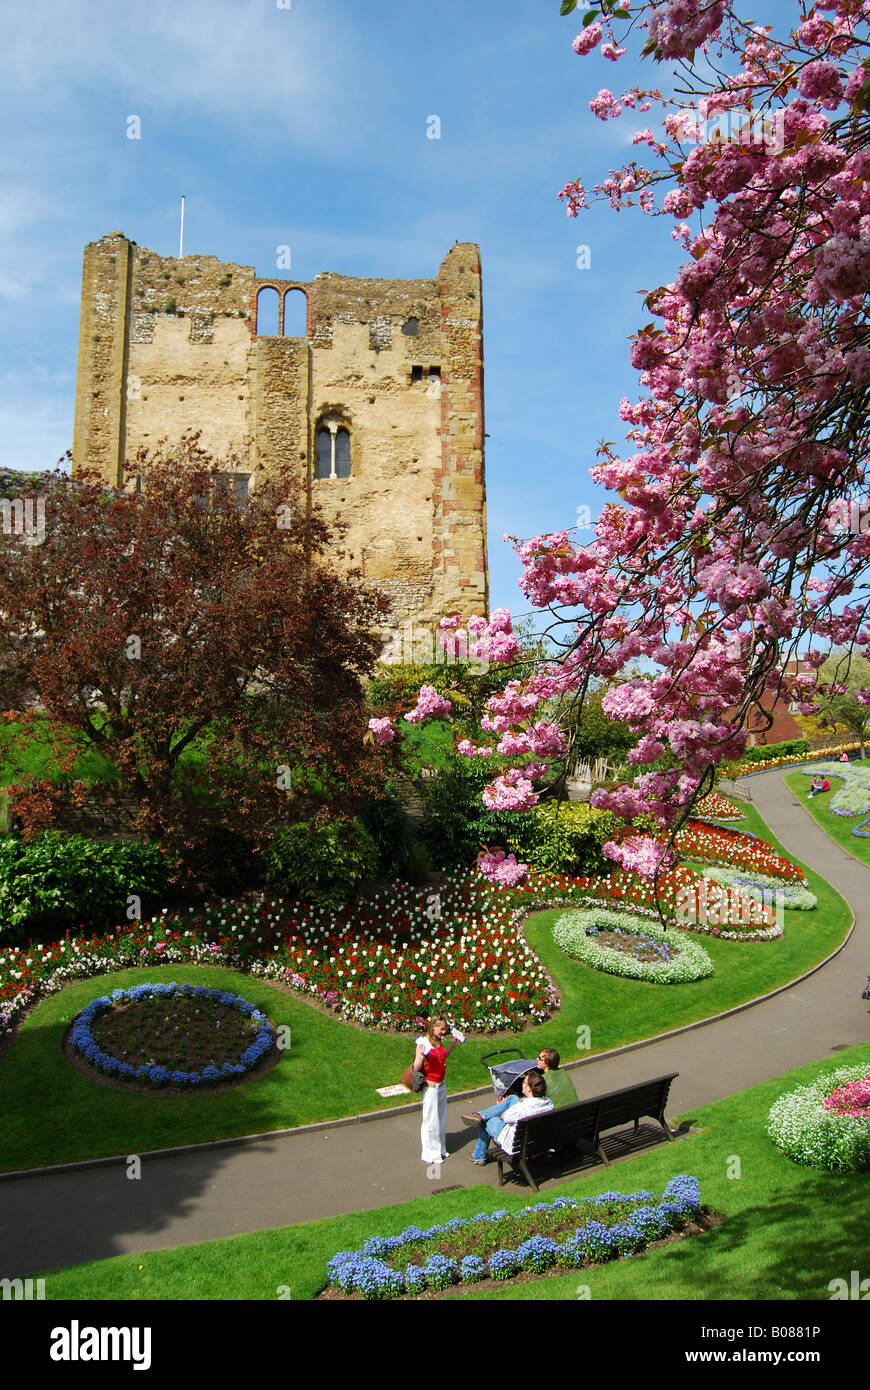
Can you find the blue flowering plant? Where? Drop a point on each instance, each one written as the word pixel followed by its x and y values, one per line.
pixel 563 1234
pixel 172 1035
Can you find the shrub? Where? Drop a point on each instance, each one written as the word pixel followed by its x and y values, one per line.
pixel 387 823
pixel 57 880
pixel 466 684
pixel 226 862
pixel 790 747
pixel 419 862
pixel 321 862
pixel 456 824
pixel 564 837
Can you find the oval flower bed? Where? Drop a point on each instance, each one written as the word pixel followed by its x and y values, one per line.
pixel 169 1034
pixel 624 944
pixel 826 1124
pixel 762 888
pixel 564 1233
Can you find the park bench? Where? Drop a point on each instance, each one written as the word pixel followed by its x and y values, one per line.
pixel 584 1123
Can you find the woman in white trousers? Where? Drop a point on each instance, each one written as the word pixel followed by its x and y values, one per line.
pixel 431 1058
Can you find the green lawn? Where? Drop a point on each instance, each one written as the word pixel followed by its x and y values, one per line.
pixel 838 827
pixel 100 1121
pixel 788 1231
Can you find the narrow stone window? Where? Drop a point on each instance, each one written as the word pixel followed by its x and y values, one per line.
pixel 324 454
pixel 333 451
pixel 416 374
pixel 342 454
pixel 295 307
pixel 267 312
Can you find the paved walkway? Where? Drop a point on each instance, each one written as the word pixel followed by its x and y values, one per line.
pixel 51 1221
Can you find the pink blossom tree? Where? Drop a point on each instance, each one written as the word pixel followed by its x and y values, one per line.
pixel 733 541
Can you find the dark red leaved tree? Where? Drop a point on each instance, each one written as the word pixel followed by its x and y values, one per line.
pixel 210 650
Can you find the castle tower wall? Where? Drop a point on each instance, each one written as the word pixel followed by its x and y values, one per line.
pixel 99 424
pixel 170 345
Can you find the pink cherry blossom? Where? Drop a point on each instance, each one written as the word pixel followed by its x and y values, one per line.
pixel 383 730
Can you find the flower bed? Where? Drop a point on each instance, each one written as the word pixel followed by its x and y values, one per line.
pixel 764 889
pixel 565 1233
pixel 682 894
pixel 716 807
pixel 795 759
pixel 627 944
pixel 392 962
pixel 722 845
pixel 172 1026
pixel 389 963
pixel 825 1124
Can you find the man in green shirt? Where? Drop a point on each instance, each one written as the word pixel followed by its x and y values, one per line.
pixel 560 1087
pixel 560 1090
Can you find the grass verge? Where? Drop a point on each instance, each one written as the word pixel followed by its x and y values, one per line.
pixel 838 827
pixel 788 1231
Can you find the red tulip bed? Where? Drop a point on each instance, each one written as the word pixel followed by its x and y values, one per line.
pixel 682 894
pixel 387 963
pixel 405 954
pixel 719 844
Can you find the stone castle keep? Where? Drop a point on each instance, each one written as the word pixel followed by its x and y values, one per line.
pixel 373 388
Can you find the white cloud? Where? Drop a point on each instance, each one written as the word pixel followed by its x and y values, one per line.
pixel 214 59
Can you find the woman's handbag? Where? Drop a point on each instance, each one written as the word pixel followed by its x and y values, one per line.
pixel 413 1079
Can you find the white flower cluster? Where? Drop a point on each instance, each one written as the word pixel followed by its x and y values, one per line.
pixel 806 1132
pixel 688 960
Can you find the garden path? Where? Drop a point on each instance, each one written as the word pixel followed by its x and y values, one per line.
pixel 57 1219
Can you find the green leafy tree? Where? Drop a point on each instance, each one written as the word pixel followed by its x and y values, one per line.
pixel 839 706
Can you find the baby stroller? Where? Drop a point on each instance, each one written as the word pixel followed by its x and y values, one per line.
pixel 507 1076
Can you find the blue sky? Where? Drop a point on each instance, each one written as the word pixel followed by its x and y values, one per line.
pixel 307 126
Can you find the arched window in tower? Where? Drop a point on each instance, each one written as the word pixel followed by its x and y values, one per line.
pixel 342 454
pixel 324 453
pixel 333 450
pixel 295 314
pixel 267 312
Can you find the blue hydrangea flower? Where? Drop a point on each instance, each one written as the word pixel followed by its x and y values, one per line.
pixel 472 1268
pixel 503 1264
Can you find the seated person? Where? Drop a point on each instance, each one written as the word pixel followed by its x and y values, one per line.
pixel 815 786
pixel 502 1127
pixel 560 1087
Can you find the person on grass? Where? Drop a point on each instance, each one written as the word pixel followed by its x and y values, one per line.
pixel 502 1128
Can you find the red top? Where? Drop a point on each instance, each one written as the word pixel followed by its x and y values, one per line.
pixel 435 1064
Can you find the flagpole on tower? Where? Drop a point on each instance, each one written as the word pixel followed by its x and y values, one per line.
pixel 181 233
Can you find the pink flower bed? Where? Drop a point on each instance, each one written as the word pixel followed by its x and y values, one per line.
pixel 853 1099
